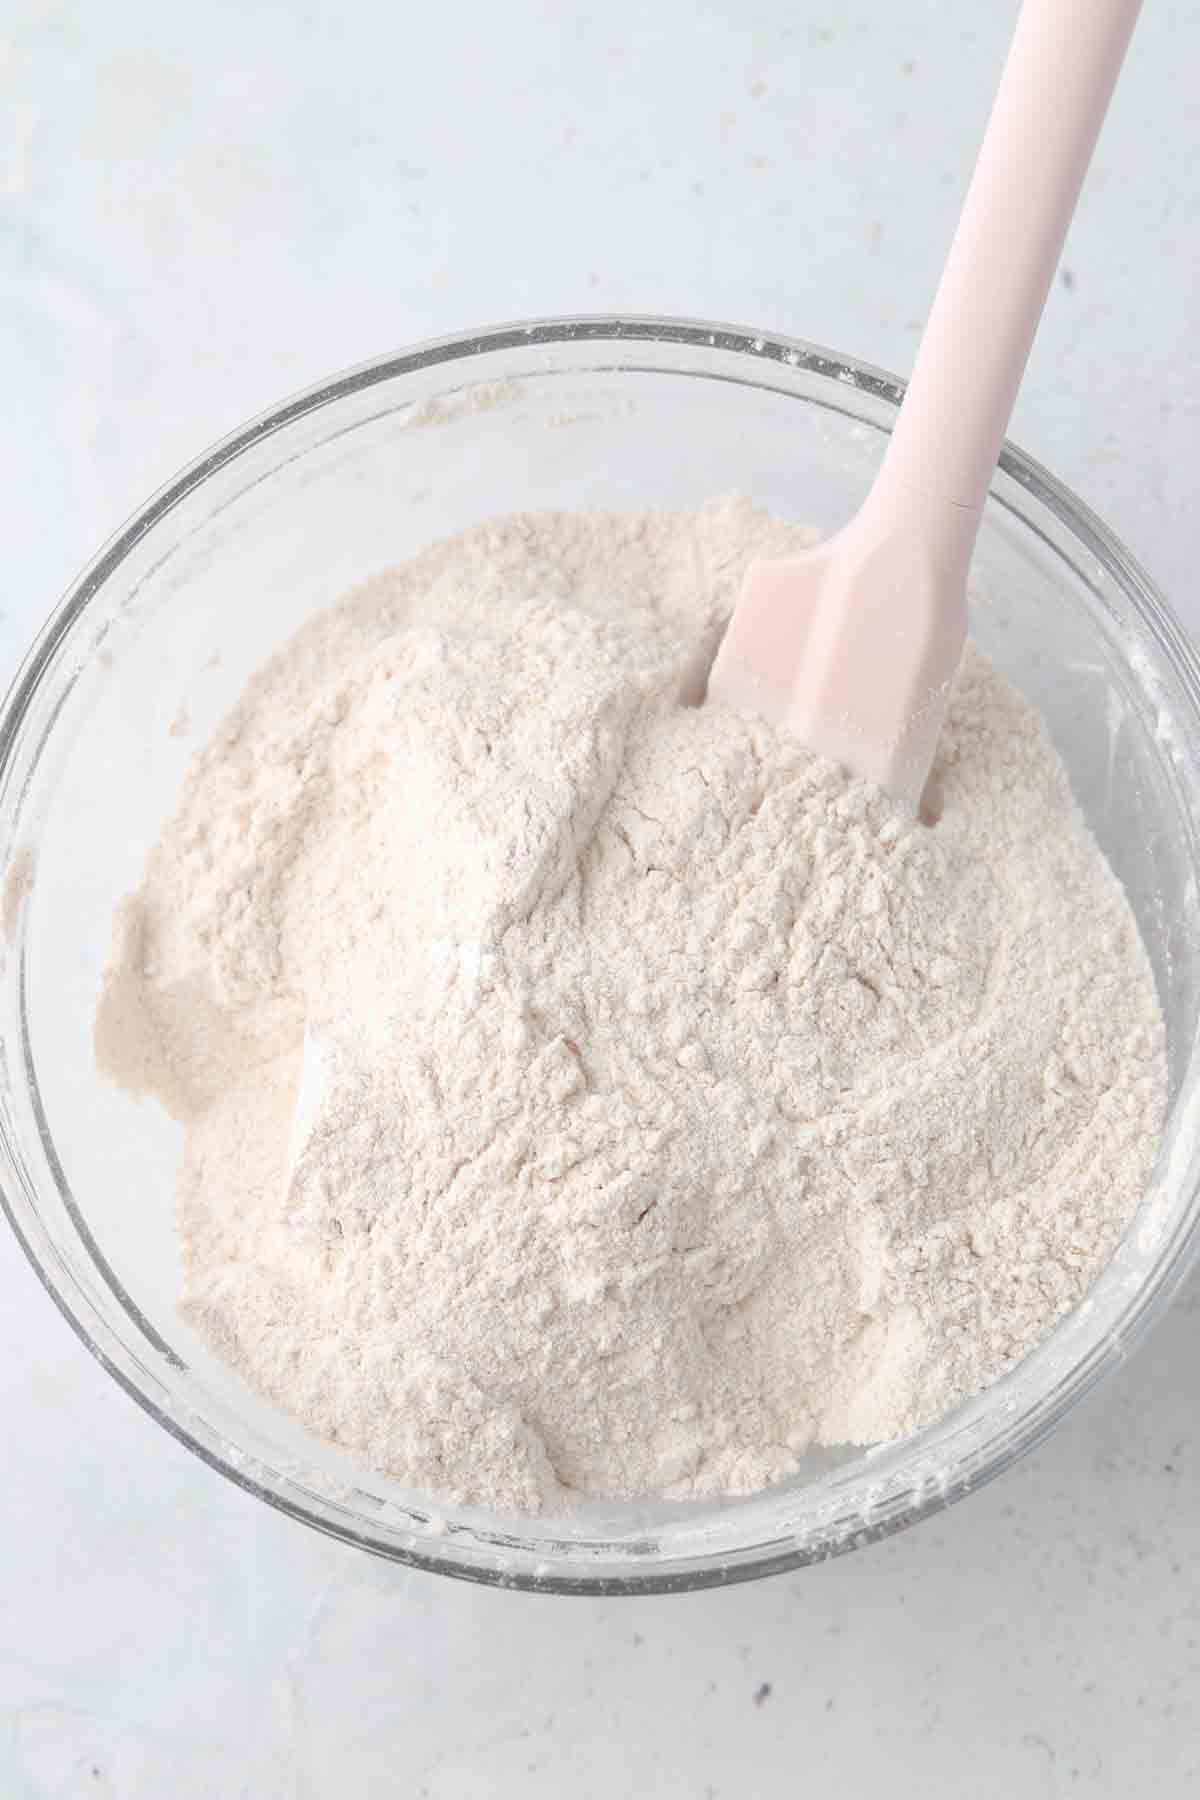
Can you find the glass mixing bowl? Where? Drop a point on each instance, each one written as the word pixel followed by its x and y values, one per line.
pixel 155 641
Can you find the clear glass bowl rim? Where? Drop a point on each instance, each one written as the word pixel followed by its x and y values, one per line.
pixel 1025 1431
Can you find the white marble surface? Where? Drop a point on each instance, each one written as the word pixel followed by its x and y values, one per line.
pixel 203 207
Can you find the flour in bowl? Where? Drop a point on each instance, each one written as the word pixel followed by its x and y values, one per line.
pixel 587 1094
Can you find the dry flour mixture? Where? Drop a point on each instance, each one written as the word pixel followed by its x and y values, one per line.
pixel 588 1094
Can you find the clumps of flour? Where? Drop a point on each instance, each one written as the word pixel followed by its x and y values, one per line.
pixel 587 1094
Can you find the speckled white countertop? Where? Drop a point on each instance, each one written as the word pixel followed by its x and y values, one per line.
pixel 204 207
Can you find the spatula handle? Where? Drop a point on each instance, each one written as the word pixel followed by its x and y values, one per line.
pixel 1056 86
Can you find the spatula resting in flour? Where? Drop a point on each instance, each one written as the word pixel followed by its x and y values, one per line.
pixel 852 647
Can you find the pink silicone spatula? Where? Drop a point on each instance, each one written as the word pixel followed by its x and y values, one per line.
pixel 852 646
